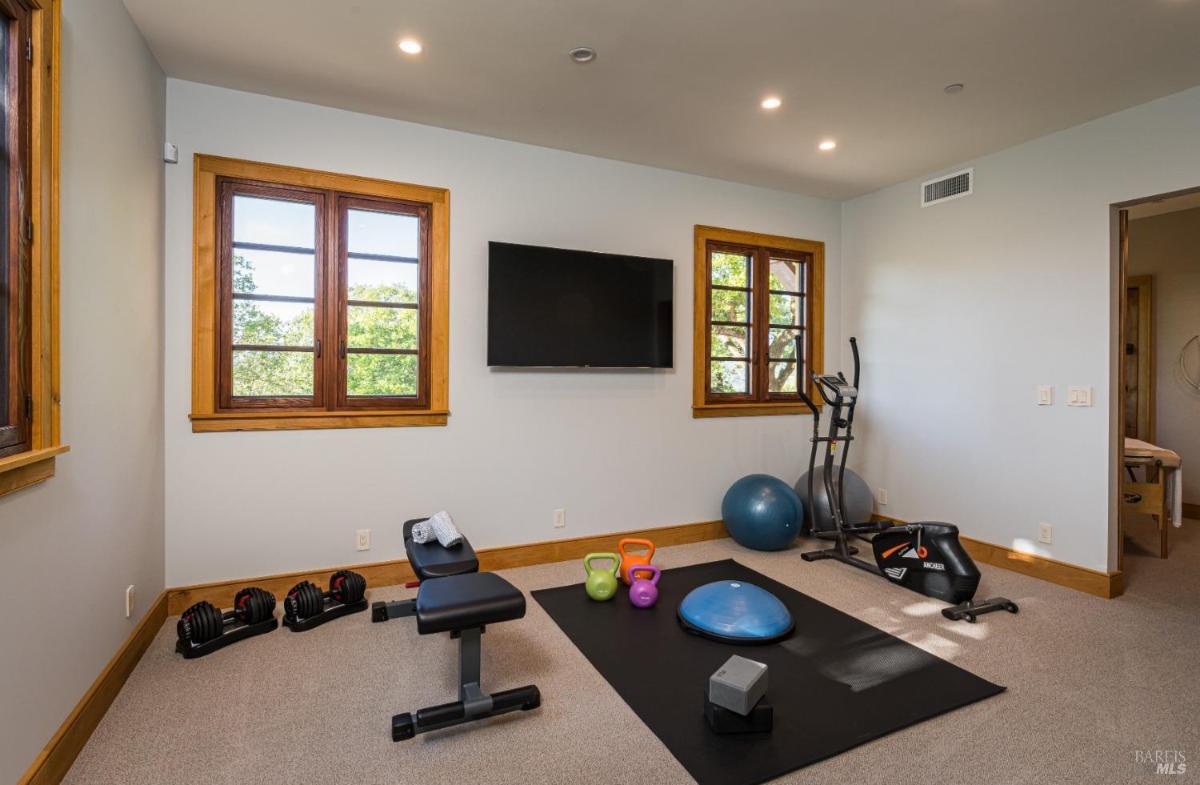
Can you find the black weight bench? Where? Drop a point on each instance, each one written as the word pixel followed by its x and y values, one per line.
pixel 461 603
pixel 428 560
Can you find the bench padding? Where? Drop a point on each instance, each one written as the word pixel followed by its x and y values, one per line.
pixel 430 560
pixel 461 602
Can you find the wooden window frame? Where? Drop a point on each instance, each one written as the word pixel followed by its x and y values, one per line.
pixel 705 404
pixel 213 407
pixel 227 189
pixel 33 459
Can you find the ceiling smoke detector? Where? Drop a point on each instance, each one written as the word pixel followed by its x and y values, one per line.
pixel 582 54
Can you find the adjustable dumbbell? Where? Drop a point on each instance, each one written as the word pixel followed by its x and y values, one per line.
pixel 306 606
pixel 204 628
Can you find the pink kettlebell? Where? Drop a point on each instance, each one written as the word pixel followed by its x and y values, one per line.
pixel 643 592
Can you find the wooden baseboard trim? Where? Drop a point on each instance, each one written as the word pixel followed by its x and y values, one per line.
pixel 55 759
pixel 1084 579
pixel 1191 511
pixel 391 573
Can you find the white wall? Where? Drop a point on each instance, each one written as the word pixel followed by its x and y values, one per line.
pixel 617 450
pixel 963 308
pixel 70 546
pixel 1168 247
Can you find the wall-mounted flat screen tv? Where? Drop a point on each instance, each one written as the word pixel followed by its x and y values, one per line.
pixel 552 307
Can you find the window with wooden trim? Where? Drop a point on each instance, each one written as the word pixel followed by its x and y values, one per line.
pixel 758 321
pixel 328 300
pixel 29 412
pixel 16 231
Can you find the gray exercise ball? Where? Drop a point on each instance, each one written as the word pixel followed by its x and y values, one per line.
pixel 856 499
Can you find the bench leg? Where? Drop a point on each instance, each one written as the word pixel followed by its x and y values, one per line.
pixel 473 703
pixel 383 611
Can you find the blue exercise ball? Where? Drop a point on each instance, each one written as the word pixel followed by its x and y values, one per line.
pixel 762 512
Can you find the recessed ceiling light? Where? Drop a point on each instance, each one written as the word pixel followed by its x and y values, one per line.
pixel 582 54
pixel 827 145
pixel 410 46
pixel 952 89
pixel 771 102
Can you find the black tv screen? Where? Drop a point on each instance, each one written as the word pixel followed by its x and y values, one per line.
pixel 553 307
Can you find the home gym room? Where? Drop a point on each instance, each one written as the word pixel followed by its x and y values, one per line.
pixel 559 392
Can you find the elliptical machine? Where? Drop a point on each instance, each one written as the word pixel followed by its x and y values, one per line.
pixel 924 557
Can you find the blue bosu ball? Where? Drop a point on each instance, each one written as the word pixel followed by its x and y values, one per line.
pixel 762 512
pixel 735 612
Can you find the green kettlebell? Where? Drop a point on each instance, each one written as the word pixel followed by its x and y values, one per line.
pixel 601 585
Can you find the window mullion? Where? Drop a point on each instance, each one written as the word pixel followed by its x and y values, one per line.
pixel 762 314
pixel 331 313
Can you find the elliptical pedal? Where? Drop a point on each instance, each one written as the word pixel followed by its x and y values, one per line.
pixel 970 610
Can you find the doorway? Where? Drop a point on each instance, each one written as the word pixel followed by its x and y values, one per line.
pixel 1158 413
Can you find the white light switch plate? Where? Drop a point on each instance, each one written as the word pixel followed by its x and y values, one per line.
pixel 362 540
pixel 1079 396
pixel 1045 394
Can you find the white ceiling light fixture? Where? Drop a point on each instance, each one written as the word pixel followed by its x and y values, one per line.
pixel 827 145
pixel 953 89
pixel 772 102
pixel 411 46
pixel 582 54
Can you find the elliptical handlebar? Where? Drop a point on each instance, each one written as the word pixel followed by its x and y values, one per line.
pixel 854 351
pixel 800 387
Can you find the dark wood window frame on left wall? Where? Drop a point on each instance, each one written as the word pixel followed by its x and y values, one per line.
pixel 344 372
pixel 29 359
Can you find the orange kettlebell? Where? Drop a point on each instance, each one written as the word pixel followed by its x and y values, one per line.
pixel 631 560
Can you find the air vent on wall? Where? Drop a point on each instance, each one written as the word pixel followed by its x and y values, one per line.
pixel 951 186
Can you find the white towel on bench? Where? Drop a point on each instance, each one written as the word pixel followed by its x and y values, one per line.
pixel 439 526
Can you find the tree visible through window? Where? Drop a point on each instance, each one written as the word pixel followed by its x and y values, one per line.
pixel 324 304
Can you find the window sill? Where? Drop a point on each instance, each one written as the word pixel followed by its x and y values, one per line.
pixel 747 409
pixel 26 468
pixel 302 421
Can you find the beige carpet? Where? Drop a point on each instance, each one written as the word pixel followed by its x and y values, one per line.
pixel 1090 682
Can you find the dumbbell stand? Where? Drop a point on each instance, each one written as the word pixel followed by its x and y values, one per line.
pixel 473 703
pixel 331 610
pixel 231 634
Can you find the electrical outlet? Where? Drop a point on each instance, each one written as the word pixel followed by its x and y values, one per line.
pixel 1046 533
pixel 560 518
pixel 362 540
pixel 881 494
pixel 129 602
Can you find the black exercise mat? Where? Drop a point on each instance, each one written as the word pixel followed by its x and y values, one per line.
pixel 835 683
